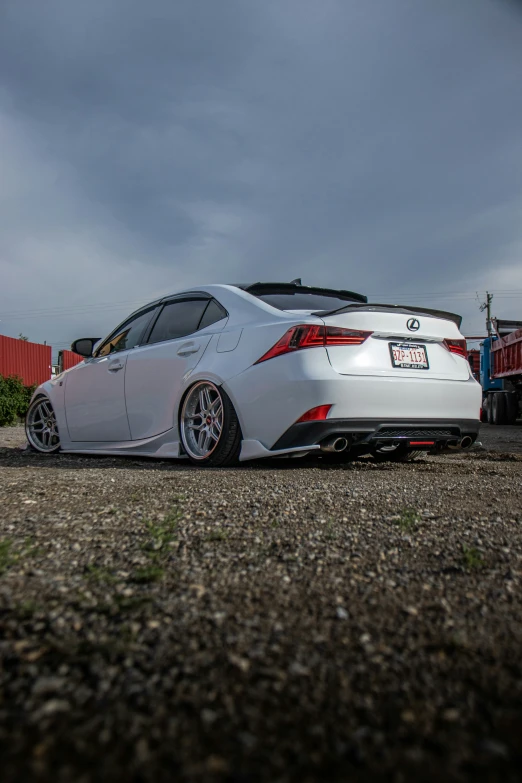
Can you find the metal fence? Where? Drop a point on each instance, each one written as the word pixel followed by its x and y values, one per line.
pixel 29 361
pixel 68 359
pixel 32 362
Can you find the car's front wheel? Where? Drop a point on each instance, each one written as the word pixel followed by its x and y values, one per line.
pixel 209 426
pixel 41 428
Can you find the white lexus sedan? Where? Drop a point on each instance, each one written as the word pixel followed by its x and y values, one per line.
pixel 227 373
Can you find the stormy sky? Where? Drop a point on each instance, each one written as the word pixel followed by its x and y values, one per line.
pixel 149 146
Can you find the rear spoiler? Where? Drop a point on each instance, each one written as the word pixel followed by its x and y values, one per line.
pixel 405 309
pixel 258 289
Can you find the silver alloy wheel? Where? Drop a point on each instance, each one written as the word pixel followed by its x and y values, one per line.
pixel 41 427
pixel 202 420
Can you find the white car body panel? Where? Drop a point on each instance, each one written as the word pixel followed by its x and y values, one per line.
pixel 155 377
pixel 134 409
pixel 272 398
pixel 373 356
pixel 95 400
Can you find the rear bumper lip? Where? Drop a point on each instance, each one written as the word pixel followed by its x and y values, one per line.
pixel 372 430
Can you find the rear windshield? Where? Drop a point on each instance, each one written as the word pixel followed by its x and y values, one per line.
pixel 304 301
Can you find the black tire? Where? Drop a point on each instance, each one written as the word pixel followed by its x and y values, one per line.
pixel 511 406
pixel 226 452
pixel 499 408
pixel 489 409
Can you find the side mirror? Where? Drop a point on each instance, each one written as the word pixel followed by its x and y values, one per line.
pixel 85 346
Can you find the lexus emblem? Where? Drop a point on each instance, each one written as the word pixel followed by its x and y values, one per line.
pixel 413 325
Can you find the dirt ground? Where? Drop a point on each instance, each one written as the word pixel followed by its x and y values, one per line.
pixel 287 621
pixel 505 439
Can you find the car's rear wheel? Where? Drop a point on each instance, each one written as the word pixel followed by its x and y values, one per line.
pixel 209 426
pixel 41 428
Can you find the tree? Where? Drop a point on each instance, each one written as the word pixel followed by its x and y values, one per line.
pixel 23 337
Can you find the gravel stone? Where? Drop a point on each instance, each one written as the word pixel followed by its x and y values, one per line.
pixel 289 621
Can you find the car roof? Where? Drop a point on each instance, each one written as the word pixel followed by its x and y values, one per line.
pixel 255 289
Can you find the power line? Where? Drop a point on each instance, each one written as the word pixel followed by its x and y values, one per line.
pixel 109 305
pixel 85 309
pixel 82 309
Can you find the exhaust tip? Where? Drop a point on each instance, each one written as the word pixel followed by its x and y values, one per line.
pixel 340 444
pixel 335 444
pixel 466 442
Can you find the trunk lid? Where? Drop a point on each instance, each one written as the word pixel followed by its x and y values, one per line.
pixel 394 331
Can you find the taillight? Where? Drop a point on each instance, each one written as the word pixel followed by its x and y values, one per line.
pixel 315 414
pixel 337 336
pixel 458 347
pixel 311 336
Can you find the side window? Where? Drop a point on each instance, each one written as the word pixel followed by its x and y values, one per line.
pixel 178 319
pixel 212 314
pixel 128 335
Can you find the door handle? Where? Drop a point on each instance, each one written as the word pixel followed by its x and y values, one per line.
pixel 115 366
pixel 187 349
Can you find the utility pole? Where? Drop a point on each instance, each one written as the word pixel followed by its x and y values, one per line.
pixel 487 307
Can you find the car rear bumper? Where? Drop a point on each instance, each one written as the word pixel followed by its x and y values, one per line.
pixel 361 432
pixel 270 397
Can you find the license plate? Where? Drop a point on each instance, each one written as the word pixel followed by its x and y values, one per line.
pixel 409 356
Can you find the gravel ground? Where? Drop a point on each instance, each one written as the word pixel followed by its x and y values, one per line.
pixel 293 621
pixel 506 439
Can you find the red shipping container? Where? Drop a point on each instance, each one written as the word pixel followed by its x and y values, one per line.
pixel 29 361
pixel 69 359
pixel 474 362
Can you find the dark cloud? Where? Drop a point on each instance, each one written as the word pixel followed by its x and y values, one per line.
pixel 149 146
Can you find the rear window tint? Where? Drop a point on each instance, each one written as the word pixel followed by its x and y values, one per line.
pixel 178 319
pixel 303 301
pixel 212 314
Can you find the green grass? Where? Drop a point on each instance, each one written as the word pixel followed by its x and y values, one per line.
pixel 472 558
pixel 6 556
pixel 330 531
pixel 29 608
pixel 217 535
pixel 148 574
pixel 157 548
pixel 9 555
pixel 99 574
pixel 162 533
pixel 408 520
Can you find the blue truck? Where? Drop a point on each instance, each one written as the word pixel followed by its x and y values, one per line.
pixel 501 373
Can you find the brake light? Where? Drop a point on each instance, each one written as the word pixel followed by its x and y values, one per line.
pixel 312 336
pixel 315 414
pixel 337 336
pixel 458 347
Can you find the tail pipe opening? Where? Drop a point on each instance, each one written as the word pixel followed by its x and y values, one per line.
pixel 459 445
pixel 335 444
